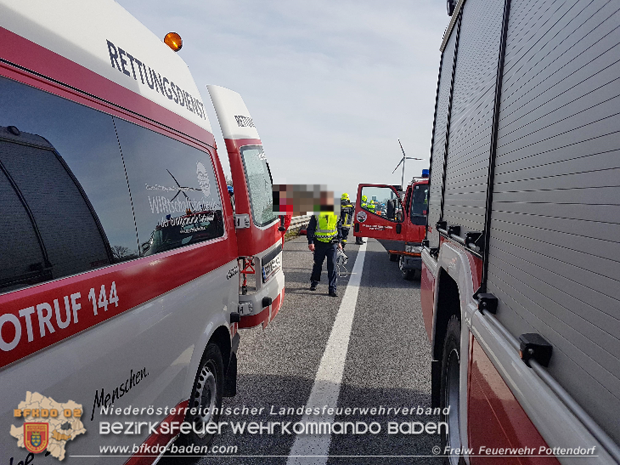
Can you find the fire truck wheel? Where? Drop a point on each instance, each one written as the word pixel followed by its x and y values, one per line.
pixel 450 388
pixel 206 395
pixel 409 275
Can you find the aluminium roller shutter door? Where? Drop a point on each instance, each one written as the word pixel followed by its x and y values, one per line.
pixel 554 252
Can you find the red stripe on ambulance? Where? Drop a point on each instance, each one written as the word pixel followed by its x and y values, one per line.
pixel 42 315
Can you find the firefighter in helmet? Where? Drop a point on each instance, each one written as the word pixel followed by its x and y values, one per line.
pixel 364 204
pixel 370 206
pixel 324 239
pixel 346 217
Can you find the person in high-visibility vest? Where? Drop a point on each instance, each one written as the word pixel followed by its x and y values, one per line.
pixel 346 217
pixel 364 205
pixel 324 239
pixel 370 206
pixel 364 201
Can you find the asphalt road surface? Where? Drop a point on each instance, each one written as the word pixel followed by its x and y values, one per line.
pixel 377 357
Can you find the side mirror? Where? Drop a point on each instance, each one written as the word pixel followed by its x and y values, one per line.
pixel 391 209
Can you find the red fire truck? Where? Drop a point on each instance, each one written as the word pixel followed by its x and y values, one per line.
pixel 521 264
pixel 400 226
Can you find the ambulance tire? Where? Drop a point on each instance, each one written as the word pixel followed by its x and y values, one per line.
pixel 450 389
pixel 207 393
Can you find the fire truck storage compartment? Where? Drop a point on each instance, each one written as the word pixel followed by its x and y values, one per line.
pixel 554 218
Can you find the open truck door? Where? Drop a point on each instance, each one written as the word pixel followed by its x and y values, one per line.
pixel 399 225
pixel 379 213
pixel 259 239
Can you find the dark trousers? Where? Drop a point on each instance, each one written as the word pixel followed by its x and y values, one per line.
pixel 344 232
pixel 322 250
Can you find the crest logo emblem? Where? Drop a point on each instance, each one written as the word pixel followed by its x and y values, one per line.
pixel 36 437
pixel 48 425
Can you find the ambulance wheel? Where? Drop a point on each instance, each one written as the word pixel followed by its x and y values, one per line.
pixel 206 396
pixel 450 389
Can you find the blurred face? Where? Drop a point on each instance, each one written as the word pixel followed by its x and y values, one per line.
pixel 299 199
pixel 327 198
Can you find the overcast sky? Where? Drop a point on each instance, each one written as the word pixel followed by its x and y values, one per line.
pixel 331 85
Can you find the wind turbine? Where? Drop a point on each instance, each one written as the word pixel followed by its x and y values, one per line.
pixel 402 160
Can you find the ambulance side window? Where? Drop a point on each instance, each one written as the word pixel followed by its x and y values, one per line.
pixel 174 190
pixel 66 205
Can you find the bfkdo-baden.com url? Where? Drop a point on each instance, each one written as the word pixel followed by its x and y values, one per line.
pixel 173 449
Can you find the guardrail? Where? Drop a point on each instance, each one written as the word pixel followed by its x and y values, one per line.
pixel 297 222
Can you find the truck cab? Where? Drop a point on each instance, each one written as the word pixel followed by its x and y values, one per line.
pixel 396 219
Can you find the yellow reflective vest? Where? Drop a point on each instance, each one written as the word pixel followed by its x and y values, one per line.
pixel 326 227
pixel 346 214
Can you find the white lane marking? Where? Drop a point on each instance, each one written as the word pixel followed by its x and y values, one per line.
pixel 326 388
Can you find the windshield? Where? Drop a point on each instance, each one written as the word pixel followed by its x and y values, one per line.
pixel 419 203
pixel 258 178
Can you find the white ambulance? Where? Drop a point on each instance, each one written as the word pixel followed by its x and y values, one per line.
pixel 520 280
pixel 125 272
